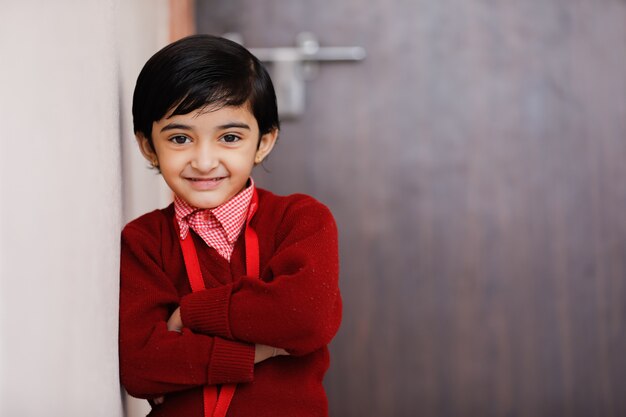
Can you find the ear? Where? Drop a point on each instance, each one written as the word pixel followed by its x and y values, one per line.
pixel 266 144
pixel 146 150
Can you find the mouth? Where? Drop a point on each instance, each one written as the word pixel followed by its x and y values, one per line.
pixel 214 179
pixel 205 184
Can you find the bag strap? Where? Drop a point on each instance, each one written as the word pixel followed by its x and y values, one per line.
pixel 216 404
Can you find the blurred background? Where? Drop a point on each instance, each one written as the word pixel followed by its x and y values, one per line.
pixel 474 161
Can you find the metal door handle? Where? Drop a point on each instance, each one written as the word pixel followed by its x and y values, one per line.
pixel 309 49
pixel 291 66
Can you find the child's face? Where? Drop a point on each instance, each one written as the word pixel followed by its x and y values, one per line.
pixel 206 157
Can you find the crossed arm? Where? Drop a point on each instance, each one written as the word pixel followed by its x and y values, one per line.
pixel 261 352
pixel 216 336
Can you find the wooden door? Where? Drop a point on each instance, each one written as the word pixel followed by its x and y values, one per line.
pixel 476 166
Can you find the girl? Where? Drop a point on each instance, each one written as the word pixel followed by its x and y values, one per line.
pixel 229 296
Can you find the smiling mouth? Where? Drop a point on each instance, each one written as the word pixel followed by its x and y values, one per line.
pixel 205 184
pixel 216 179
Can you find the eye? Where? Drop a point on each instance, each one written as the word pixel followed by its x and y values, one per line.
pixel 179 139
pixel 230 138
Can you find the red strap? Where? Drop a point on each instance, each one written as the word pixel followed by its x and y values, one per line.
pixel 209 395
pixel 216 405
pixel 252 241
pixel 223 401
pixel 192 264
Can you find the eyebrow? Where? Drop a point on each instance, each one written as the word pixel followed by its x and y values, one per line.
pixel 230 125
pixel 174 126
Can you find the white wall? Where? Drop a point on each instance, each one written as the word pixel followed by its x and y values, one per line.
pixel 144 24
pixel 64 80
pixel 144 27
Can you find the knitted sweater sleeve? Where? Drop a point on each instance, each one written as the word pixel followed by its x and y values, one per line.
pixel 153 360
pixel 297 305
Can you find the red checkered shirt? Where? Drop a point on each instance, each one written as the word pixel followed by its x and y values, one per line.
pixel 219 227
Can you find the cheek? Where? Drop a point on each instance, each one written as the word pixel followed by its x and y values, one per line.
pixel 171 163
pixel 244 162
pixel 240 158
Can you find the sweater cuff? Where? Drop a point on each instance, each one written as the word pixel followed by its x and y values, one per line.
pixel 231 362
pixel 207 311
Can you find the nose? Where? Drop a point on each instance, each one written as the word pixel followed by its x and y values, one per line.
pixel 205 157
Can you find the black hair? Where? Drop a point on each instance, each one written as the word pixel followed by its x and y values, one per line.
pixel 202 71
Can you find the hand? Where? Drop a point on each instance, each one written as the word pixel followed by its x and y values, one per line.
pixel 175 322
pixel 263 352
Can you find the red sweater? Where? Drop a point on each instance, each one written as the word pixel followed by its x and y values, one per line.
pixel 295 306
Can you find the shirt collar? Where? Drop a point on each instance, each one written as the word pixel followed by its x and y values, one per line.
pixel 230 216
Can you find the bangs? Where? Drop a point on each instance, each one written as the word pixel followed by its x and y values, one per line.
pixel 205 98
pixel 210 89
